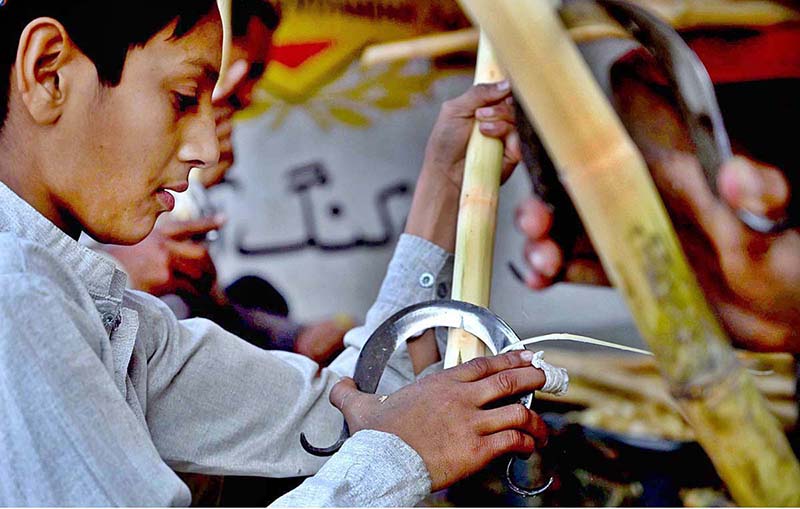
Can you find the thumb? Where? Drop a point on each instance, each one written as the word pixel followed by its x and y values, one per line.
pixel 344 390
pixel 231 79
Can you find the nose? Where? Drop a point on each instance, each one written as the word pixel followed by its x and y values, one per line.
pixel 200 146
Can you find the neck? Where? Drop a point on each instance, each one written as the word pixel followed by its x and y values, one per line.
pixel 20 172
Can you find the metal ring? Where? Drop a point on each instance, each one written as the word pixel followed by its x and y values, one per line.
pixel 519 490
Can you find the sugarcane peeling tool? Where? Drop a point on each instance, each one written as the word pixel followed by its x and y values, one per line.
pixel 411 322
pixel 697 102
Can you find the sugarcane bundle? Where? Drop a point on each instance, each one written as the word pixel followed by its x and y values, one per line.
pixel 477 220
pixel 626 394
pixel 609 182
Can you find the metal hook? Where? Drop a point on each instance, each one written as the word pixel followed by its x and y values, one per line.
pixel 408 323
pixel 326 451
pixel 519 490
pixel 405 324
pixel 510 482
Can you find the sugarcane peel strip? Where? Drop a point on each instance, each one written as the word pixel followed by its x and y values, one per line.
pixel 561 336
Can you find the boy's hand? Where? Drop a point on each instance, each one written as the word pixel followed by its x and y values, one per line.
pixel 492 106
pixel 444 417
pixel 434 211
pixel 323 341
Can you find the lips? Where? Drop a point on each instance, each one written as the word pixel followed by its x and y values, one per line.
pixel 166 199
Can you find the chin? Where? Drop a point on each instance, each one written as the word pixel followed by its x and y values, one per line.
pixel 130 233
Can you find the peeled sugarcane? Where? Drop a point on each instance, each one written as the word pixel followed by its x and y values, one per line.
pixel 609 182
pixel 427 46
pixel 586 21
pixel 477 219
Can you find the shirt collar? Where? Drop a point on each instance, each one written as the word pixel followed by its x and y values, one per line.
pixel 103 280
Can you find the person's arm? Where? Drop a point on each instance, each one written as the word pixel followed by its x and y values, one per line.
pixel 68 437
pixel 422 266
pixel 419 271
pixel 219 405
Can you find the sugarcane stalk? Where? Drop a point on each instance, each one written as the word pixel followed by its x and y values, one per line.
pixel 609 182
pixel 477 220
pixel 427 46
pixel 586 21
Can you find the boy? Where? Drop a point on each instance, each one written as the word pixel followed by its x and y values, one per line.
pixel 174 263
pixel 106 106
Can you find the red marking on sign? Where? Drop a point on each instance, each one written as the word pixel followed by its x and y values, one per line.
pixel 295 55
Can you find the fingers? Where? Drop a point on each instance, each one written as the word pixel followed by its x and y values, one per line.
pixel 496 120
pixel 511 382
pixel 230 81
pixel 544 258
pixel 518 417
pixel 191 259
pixel 477 97
pixel 759 189
pixel 352 403
pixel 534 219
pixel 510 442
pixel 184 230
pixel 513 153
pixel 482 367
pixel 586 272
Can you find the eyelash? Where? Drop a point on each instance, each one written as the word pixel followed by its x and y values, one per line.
pixel 184 103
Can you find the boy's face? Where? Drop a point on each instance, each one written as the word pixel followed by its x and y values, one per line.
pixel 117 150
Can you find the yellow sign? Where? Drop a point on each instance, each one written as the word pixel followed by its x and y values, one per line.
pixel 318 39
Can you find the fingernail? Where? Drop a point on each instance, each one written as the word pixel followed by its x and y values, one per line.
pixel 504 86
pixel 510 101
pixel 537 261
pixel 488 126
pixel 747 183
pixel 526 355
pixel 484 112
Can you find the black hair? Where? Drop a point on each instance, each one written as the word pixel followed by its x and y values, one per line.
pixel 242 11
pixel 104 30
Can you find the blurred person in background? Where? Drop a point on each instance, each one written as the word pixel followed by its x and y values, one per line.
pixel 751 279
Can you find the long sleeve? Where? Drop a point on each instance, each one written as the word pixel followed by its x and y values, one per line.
pixel 68 437
pixel 372 469
pixel 216 404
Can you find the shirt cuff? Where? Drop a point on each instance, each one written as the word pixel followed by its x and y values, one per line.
pixel 419 271
pixel 372 469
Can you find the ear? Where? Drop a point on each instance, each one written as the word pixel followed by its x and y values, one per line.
pixel 44 50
